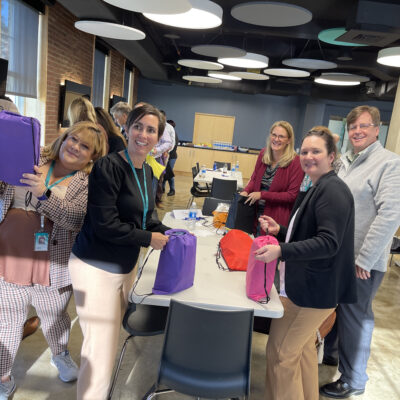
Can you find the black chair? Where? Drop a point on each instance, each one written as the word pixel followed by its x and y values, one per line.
pixel 206 353
pixel 394 248
pixel 220 164
pixel 140 320
pixel 197 190
pixel 223 188
pixel 211 203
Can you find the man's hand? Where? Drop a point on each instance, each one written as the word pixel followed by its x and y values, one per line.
pixel 362 273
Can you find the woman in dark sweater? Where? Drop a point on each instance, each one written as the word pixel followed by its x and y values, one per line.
pixel 117 224
pixel 317 271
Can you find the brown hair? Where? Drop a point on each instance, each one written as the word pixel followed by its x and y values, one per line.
pixel 289 153
pixel 147 109
pixel 81 109
pixel 105 120
pixel 92 133
pixel 326 135
pixel 353 115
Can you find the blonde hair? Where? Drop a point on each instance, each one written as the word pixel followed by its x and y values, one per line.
pixel 92 134
pixel 289 154
pixel 81 109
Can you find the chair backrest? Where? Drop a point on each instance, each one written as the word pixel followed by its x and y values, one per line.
pixel 210 204
pixel 198 167
pixel 223 188
pixel 194 172
pixel 220 164
pixel 207 353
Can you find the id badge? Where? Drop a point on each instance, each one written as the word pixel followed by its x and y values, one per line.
pixel 41 241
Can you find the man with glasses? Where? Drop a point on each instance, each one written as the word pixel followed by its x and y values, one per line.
pixel 120 112
pixel 373 175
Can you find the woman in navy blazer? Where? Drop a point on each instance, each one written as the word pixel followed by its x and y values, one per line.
pixel 317 270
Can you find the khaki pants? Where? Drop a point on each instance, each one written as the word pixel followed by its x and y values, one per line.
pixel 101 299
pixel 292 363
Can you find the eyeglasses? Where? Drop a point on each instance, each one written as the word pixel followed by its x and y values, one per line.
pixel 363 127
pixel 280 137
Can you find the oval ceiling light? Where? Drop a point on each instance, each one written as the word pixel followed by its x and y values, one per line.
pixel 153 6
pixel 250 60
pixel 271 13
pixel 222 75
pixel 109 30
pixel 250 75
pixel 389 56
pixel 340 79
pixel 200 64
pixel 216 50
pixel 201 79
pixel 288 72
pixel 330 35
pixel 309 63
pixel 204 14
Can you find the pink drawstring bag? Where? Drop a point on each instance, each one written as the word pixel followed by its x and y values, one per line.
pixel 259 275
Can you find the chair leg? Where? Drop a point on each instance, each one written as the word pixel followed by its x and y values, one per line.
pixel 121 356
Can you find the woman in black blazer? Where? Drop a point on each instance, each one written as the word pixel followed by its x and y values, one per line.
pixel 317 271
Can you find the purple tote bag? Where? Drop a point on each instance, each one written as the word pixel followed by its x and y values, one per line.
pixel 177 263
pixel 19 146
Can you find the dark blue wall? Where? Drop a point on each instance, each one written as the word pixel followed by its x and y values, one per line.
pixel 254 114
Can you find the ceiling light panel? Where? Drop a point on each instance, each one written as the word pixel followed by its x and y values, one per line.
pixel 271 13
pixel 288 72
pixel 153 6
pixel 201 79
pixel 340 79
pixel 200 64
pixel 215 50
pixel 309 63
pixel 250 60
pixel 110 30
pixel 330 35
pixel 204 14
pixel 250 75
pixel 389 56
pixel 222 75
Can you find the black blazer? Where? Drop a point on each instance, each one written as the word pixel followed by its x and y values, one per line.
pixel 320 268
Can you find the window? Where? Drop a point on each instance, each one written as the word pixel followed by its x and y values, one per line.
pixel 99 75
pixel 127 82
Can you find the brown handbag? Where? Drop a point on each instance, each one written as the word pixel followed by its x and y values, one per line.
pixel 325 328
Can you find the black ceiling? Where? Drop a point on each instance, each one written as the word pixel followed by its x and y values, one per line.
pixel 156 56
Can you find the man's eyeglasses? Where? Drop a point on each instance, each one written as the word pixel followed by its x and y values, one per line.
pixel 280 137
pixel 363 127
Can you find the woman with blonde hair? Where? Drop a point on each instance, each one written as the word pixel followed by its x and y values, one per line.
pixel 81 109
pixel 38 225
pixel 277 176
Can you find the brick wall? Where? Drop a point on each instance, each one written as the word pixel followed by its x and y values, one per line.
pixel 117 70
pixel 70 56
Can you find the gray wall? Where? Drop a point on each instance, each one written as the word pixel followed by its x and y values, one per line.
pixel 254 114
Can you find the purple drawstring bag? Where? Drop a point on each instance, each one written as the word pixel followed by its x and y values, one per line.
pixel 175 271
pixel 19 146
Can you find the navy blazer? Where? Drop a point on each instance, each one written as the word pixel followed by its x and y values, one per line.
pixel 319 257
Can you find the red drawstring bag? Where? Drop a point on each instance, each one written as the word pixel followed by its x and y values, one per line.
pixel 260 276
pixel 235 249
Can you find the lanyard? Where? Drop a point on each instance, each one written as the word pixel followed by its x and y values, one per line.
pixel 145 198
pixel 50 171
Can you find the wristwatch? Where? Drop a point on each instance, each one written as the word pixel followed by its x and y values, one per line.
pixel 45 196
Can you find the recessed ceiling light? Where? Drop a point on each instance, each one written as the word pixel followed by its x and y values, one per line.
pixel 153 6
pixel 309 63
pixel 222 75
pixel 289 72
pixel 109 30
pixel 216 50
pixel 200 64
pixel 389 56
pixel 250 60
pixel 204 14
pixel 340 79
pixel 271 13
pixel 201 79
pixel 250 75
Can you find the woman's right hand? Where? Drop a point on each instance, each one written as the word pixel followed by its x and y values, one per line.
pixel 158 240
pixel 269 225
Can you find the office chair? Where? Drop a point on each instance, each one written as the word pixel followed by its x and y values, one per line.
pixel 223 188
pixel 211 203
pixel 206 353
pixel 220 164
pixel 140 320
pixel 394 248
pixel 197 190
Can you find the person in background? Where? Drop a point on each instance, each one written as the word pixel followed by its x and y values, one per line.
pixel 116 140
pixel 373 175
pixel 277 176
pixel 120 112
pixel 7 104
pixel 51 206
pixel 117 224
pixel 81 109
pixel 317 271
pixel 169 172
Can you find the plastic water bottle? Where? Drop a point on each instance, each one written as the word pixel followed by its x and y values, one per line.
pixel 233 171
pixel 203 171
pixel 225 169
pixel 192 217
pixel 237 166
pixel 215 166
